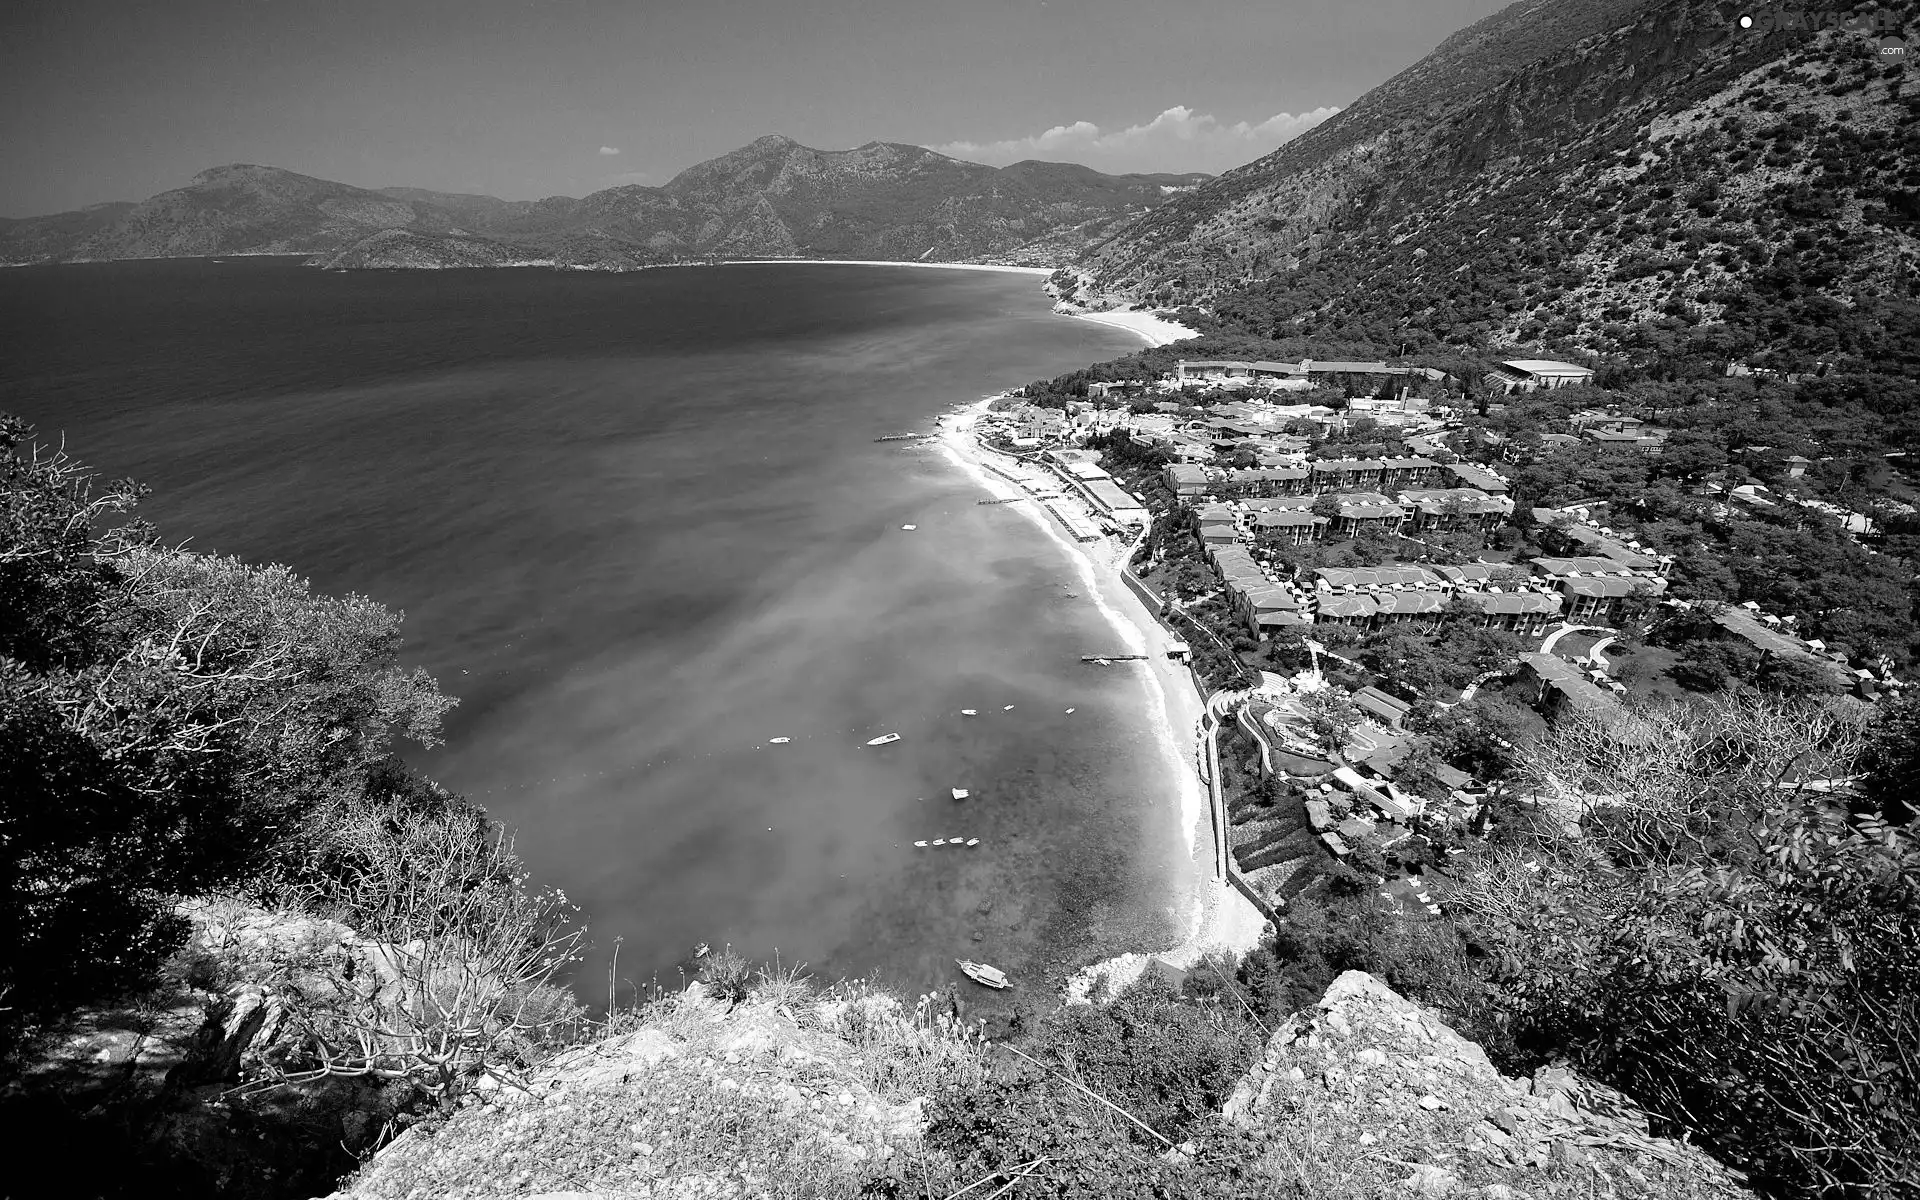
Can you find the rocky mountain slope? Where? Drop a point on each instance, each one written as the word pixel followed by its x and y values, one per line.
pixel 1564 172
pixel 772 198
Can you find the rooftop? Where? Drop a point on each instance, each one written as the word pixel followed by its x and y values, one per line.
pixel 1546 366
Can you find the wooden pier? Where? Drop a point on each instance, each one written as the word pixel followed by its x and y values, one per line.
pixel 903 437
pixel 1008 500
pixel 1113 657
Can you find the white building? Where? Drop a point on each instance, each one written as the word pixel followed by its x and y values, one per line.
pixel 1537 374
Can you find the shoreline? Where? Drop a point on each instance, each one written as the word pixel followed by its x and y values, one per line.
pixel 1145 323
pixel 1216 916
pixel 874 262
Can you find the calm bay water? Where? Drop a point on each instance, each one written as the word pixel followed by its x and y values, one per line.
pixel 639 526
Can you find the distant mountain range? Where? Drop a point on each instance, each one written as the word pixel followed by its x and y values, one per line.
pixel 1592 174
pixel 772 198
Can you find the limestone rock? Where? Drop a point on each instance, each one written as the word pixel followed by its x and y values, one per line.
pixel 1364 1059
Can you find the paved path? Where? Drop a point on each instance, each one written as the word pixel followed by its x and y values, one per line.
pixel 1546 647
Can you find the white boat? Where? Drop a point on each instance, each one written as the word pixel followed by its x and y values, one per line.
pixel 1069 710
pixel 959 793
pixel 993 977
pixel 909 527
pixel 778 741
pixel 939 841
pixel 883 739
pixel 1008 708
pixel 969 712
pixel 922 845
pixel 973 841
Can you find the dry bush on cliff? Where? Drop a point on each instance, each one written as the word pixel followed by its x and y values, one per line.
pixel 463 963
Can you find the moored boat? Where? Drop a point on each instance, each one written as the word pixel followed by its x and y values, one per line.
pixel 883 739
pixel 960 793
pixel 992 977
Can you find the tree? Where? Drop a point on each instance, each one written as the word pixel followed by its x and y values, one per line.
pixel 1891 765
pixel 166 721
pixel 1740 956
pixel 1330 718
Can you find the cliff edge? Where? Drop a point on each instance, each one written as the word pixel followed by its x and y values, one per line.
pixel 1365 1094
pixel 1402 1098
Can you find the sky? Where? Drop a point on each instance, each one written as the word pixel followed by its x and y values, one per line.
pixel 111 100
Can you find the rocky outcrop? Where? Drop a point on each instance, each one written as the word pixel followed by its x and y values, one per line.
pixel 1387 1086
pixel 157 1086
pixel 706 1098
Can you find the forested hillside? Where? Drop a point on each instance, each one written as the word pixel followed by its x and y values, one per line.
pixel 1636 178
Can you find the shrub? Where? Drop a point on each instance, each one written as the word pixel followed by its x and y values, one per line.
pixel 727 975
pixel 166 720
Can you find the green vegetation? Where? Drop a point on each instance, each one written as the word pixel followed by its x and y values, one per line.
pixel 177 725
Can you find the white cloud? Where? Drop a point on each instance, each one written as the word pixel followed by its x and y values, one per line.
pixel 609 151
pixel 1179 139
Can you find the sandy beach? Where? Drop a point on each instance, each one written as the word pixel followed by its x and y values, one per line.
pixel 1156 329
pixel 1216 916
pixel 868 262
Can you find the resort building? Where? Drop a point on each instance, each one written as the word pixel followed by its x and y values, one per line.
pixel 1294 527
pixel 1537 374
pixel 1388 709
pixel 1186 480
pixel 1392 608
pixel 1268 608
pixel 1456 508
pixel 1474 475
pixel 1556 686
pixel 1363 511
pixel 1265 481
pixel 1747 624
pixel 1355 609
pixel 1346 474
pixel 1397 473
pixel 1338 578
pixel 1598 599
pixel 1525 613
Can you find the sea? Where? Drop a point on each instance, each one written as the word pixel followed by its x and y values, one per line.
pixel 640 526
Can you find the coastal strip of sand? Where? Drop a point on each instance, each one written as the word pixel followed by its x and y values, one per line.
pixel 1217 916
pixel 1156 329
pixel 870 262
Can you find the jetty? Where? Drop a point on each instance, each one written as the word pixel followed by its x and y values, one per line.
pixel 1108 658
pixel 1008 500
pixel 902 437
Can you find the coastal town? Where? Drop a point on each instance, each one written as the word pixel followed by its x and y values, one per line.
pixel 1367 618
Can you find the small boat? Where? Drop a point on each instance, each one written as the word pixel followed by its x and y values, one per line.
pixel 959 793
pixel 921 844
pixel 1008 708
pixel 939 841
pixel 973 841
pixel 778 741
pixel 883 739
pixel 909 527
pixel 1069 710
pixel 993 977
pixel 969 712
